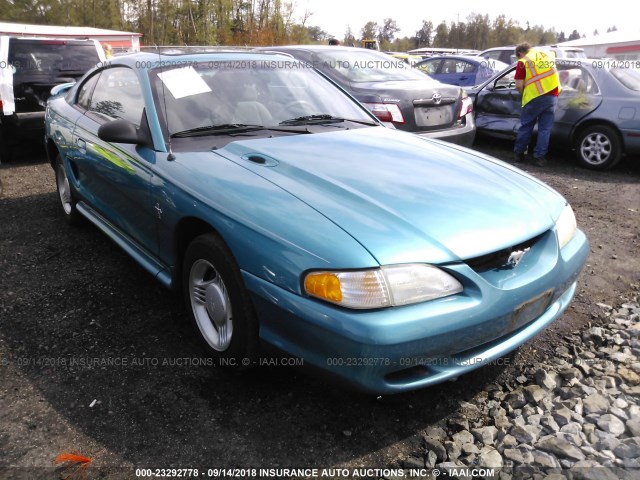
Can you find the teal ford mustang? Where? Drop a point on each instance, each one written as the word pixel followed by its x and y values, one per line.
pixel 285 212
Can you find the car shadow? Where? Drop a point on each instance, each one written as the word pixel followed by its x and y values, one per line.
pixel 561 162
pixel 111 356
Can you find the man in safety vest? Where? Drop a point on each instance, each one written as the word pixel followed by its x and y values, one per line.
pixel 537 79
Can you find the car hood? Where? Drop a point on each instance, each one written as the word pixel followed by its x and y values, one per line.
pixel 405 198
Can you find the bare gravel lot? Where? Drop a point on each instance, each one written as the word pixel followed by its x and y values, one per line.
pixel 96 358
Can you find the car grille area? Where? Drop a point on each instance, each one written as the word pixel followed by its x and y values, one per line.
pixel 499 260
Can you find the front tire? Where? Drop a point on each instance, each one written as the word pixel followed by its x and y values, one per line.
pixel 598 147
pixel 67 199
pixel 218 303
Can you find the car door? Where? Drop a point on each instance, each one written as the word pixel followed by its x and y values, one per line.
pixel 115 178
pixel 579 97
pixel 498 105
pixel 457 72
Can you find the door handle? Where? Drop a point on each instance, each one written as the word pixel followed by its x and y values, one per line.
pixel 82 145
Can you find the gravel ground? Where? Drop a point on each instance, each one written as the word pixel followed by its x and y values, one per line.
pixel 575 414
pixel 70 300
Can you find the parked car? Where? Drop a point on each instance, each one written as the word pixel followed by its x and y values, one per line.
pixel 393 91
pixel 460 70
pixel 595 114
pixel 508 54
pixel 285 211
pixel 29 68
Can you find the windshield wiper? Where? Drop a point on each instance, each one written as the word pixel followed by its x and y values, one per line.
pixel 229 128
pixel 322 118
pixel 221 128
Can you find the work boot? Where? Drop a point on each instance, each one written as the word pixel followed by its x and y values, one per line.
pixel 519 157
pixel 540 161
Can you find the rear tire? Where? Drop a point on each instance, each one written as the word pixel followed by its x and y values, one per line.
pixel 218 303
pixel 598 147
pixel 65 194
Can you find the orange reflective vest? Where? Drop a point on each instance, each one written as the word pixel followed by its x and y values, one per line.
pixel 541 74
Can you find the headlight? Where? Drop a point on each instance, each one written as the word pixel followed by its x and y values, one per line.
pixel 566 226
pixel 383 287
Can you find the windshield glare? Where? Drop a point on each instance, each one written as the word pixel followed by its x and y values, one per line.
pixel 252 93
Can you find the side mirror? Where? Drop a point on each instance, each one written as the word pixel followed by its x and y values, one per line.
pixel 119 131
pixel 63 87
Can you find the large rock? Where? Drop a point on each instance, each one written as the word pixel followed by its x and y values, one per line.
pixel 485 435
pixel 463 437
pixel 629 376
pixel 628 448
pixel 453 450
pixel 595 403
pixel 458 423
pixel 525 434
pixel 562 416
pixel 534 394
pixel 560 448
pixel 633 425
pixel 604 441
pixel 548 422
pixel 544 460
pixel 516 399
pixel 433 445
pixel 490 458
pixel 512 455
pixel 611 424
pixel 549 380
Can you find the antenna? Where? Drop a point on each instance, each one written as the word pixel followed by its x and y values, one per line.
pixel 171 157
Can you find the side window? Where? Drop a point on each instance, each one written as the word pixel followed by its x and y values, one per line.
pixel 430 68
pixel 506 81
pixel 493 55
pixel 84 94
pixel 576 80
pixel 466 67
pixel 118 95
pixel 450 66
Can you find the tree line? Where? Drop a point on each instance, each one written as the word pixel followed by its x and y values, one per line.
pixel 263 22
pixel 477 33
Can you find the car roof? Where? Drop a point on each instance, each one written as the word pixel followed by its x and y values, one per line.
pixel 319 48
pixel 180 58
pixel 507 47
pixel 50 39
pixel 470 58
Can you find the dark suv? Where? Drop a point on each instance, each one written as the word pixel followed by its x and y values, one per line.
pixel 33 66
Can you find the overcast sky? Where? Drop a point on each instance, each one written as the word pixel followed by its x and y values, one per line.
pixel 334 16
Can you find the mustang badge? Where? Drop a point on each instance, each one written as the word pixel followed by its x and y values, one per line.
pixel 516 256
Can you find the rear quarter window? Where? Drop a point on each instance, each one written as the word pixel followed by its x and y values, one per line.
pixel 629 77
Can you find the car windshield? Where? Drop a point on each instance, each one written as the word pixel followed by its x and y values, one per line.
pixel 214 96
pixel 367 66
pixel 629 77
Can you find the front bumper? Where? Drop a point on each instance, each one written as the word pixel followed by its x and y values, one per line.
pixel 405 348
